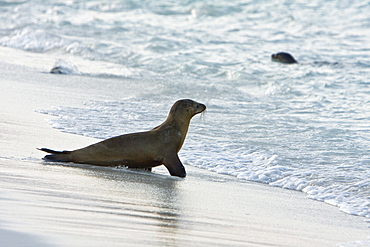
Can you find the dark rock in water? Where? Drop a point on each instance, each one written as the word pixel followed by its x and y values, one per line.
pixel 283 57
pixel 64 67
pixel 57 70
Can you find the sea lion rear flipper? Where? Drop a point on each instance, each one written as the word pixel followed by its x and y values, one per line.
pixel 174 165
pixel 53 151
pixel 56 156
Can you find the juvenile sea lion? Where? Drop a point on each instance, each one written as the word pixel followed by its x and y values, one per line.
pixel 140 150
pixel 283 57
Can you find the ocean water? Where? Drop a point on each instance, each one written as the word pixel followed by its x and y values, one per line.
pixel 303 127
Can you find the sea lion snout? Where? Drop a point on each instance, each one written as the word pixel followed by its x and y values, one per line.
pixel 200 108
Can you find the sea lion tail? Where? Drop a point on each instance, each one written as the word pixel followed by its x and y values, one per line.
pixel 56 156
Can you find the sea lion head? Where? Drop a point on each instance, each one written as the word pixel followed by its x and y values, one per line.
pixel 186 108
pixel 283 57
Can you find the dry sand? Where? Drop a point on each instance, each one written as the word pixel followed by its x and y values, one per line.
pixel 56 205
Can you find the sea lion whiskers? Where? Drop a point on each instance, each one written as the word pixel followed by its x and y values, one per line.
pixel 203 115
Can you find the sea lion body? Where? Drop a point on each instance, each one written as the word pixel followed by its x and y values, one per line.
pixel 143 149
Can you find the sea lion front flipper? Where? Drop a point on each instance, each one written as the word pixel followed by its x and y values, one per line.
pixel 174 165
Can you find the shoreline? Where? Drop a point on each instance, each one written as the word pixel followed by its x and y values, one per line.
pixel 63 205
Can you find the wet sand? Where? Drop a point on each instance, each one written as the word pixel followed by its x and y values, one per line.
pixel 77 205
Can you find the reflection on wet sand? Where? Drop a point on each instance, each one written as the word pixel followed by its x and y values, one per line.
pixel 96 203
pixel 147 198
pixel 93 206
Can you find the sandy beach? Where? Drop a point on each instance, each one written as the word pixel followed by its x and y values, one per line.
pixel 67 205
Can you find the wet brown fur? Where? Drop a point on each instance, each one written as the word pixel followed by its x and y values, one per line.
pixel 143 149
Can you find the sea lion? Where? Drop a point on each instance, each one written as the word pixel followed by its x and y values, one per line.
pixel 283 57
pixel 143 149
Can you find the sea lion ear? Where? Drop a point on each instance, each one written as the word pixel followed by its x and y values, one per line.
pixel 174 166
